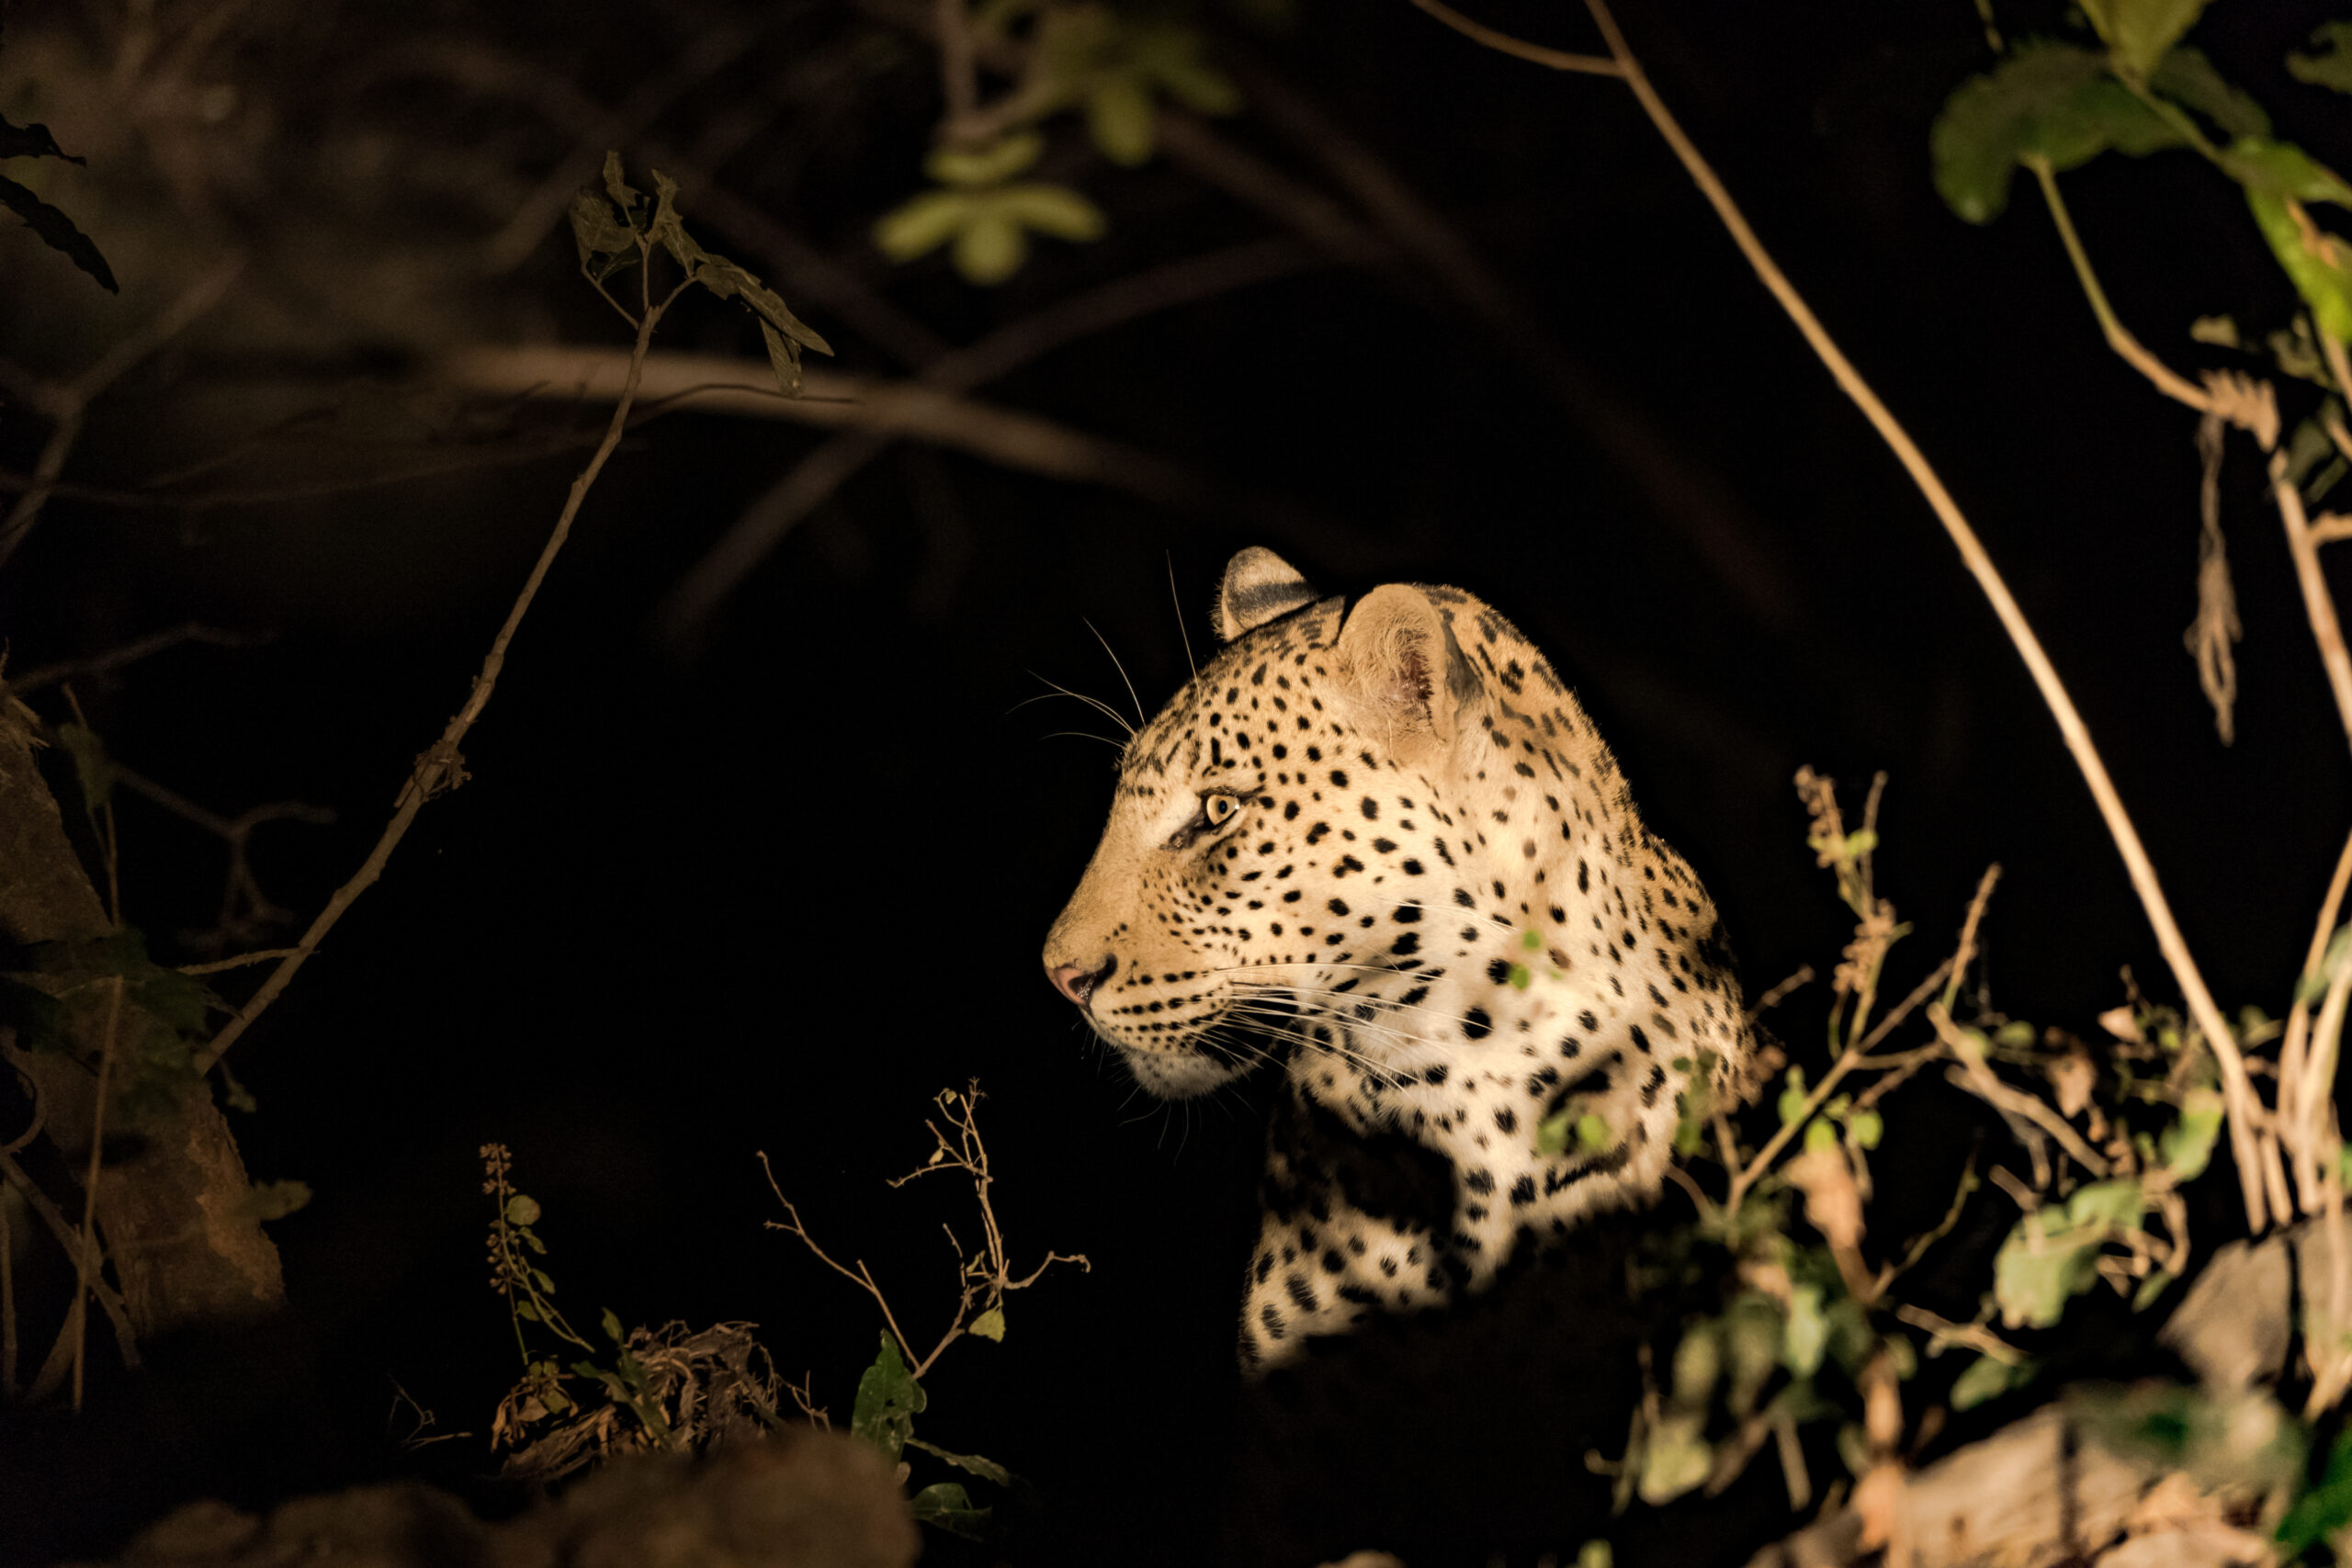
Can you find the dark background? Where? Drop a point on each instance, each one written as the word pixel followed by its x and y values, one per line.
pixel 771 893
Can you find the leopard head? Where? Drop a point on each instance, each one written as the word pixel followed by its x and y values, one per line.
pixel 1273 828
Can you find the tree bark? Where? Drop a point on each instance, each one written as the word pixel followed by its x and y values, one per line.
pixel 173 1207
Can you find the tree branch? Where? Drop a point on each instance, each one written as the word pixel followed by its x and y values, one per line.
pixel 440 767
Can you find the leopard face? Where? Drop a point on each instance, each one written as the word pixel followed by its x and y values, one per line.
pixel 1383 844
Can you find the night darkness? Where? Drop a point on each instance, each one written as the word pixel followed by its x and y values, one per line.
pixel 772 892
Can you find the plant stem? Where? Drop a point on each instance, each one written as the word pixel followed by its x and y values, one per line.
pixel 2236 1089
pixel 2118 336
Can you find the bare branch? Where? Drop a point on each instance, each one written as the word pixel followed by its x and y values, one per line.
pixel 130 653
pixel 820 475
pixel 68 405
pixel 440 767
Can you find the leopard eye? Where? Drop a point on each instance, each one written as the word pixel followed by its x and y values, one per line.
pixel 1218 809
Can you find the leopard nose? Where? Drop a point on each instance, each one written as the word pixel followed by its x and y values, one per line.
pixel 1078 985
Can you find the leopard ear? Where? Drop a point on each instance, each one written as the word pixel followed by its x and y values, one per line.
pixel 1399 656
pixel 1258 586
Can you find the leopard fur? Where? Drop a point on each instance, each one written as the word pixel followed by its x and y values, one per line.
pixel 1384 843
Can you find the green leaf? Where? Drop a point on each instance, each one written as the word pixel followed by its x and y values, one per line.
pixel 990 1325
pixel 1865 1127
pixel 1119 119
pixel 1595 1554
pixel 606 245
pixel 540 1279
pixel 2187 77
pixel 1819 1136
pixel 2139 31
pixel 946 1504
pixel 988 166
pixel 2331 64
pixel 2326 1508
pixel 522 1209
pixel 1675 1460
pixel 990 248
pixel 93 774
pixel 526 1312
pixel 2047 100
pixel 888 1400
pixel 1985 1378
pixel 1793 1097
pixel 2320 270
pixel 2281 168
pixel 1806 1339
pixel 1752 1340
pixel 626 197
pixel 2052 1256
pixel 922 225
pixel 1698 1360
pixel 2158 1282
pixel 613 1330
pixel 986 1468
pixel 1056 211
pixel 2014 1032
pixel 2187 1145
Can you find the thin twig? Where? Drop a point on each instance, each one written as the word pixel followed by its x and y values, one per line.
pixel 860 1276
pixel 1919 993
pixel 265 955
pixel 130 653
pixel 1534 53
pixel 1779 993
pixel 2118 336
pixel 2319 606
pixel 2292 1050
pixel 1973 1076
pixel 818 476
pixel 959 79
pixel 71 1240
pixel 441 767
pixel 88 1250
pixel 747 388
pixel 69 404
pixel 2206 1013
pixel 1975 1336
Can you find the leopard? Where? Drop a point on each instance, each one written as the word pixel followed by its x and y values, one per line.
pixel 1382 844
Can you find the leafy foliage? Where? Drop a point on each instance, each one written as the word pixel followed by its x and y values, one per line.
pixel 1113 68
pixel 984 213
pixel 56 231
pixel 2059 106
pixel 616 227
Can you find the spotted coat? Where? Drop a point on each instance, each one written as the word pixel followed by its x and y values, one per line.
pixel 1384 844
